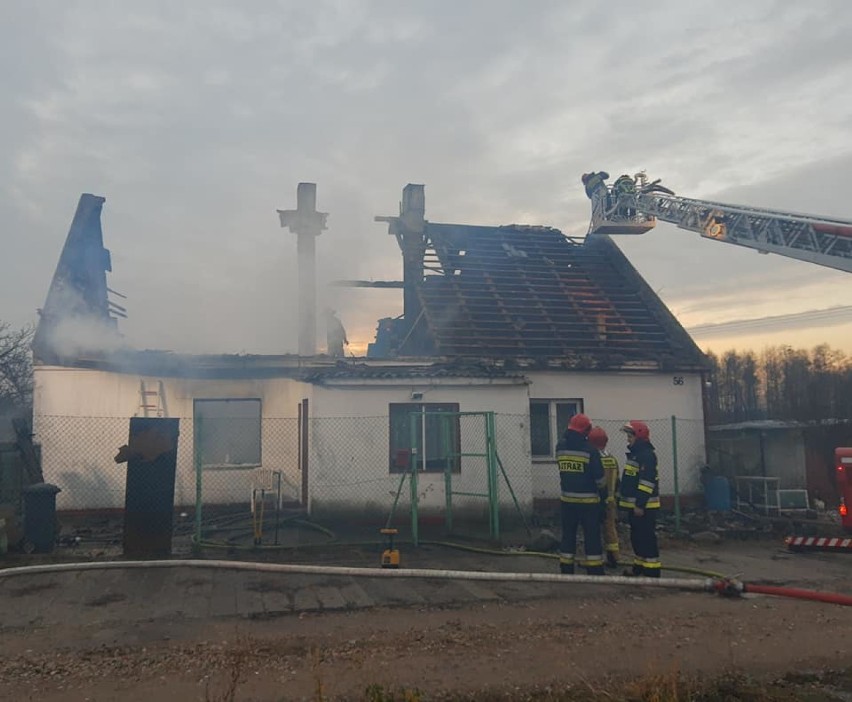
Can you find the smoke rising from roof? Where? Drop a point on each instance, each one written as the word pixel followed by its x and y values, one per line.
pixel 198 119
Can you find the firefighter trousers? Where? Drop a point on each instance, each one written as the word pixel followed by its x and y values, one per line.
pixel 610 532
pixel 574 517
pixel 643 538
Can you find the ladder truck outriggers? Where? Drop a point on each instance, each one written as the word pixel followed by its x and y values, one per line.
pixel 632 205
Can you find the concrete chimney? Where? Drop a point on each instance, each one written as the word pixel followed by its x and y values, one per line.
pixel 307 224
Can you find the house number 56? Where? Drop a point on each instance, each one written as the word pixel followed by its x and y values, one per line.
pixel 677 380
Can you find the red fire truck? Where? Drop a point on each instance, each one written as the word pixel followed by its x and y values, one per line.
pixel 843 461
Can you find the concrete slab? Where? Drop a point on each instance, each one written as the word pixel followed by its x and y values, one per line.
pixel 133 597
pixel 305 599
pixel 439 592
pixel 393 593
pixel 478 591
pixel 96 594
pixel 196 593
pixel 222 600
pixel 277 603
pixel 330 597
pixel 355 596
pixel 249 602
pixel 30 603
pixel 276 595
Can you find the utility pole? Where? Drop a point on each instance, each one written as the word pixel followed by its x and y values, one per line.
pixel 307 224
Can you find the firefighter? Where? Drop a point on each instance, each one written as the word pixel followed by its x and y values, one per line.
pixel 640 498
pixel 609 512
pixel 624 187
pixel 582 481
pixel 593 181
pixel 335 334
pixel 624 184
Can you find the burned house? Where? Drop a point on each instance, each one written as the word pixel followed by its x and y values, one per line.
pixel 522 322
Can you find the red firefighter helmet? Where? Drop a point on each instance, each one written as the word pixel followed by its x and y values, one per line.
pixel 580 423
pixel 638 429
pixel 598 438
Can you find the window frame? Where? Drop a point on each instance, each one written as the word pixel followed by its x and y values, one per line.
pixel 223 465
pixel 394 410
pixel 554 429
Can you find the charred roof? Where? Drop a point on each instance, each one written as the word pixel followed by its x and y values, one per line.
pixel 531 294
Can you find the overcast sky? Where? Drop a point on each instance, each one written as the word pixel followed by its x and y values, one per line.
pixel 196 120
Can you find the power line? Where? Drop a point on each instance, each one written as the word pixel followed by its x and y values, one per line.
pixel 798 320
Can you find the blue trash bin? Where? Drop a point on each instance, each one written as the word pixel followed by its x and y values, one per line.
pixel 717 497
pixel 40 517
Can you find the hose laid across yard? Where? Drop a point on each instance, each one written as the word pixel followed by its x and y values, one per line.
pixel 690 584
pixel 207 543
pixel 799 594
pixel 724 587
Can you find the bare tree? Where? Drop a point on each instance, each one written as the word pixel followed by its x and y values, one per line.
pixel 783 383
pixel 16 369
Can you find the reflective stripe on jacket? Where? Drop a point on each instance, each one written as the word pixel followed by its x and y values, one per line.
pixel 640 482
pixel 581 473
pixel 610 466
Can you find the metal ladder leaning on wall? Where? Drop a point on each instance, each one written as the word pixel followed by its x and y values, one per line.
pixel 149 408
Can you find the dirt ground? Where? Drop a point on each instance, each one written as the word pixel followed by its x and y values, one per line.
pixel 526 642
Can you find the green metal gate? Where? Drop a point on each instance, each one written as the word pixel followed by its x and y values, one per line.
pixel 461 446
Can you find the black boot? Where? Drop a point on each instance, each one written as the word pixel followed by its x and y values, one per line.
pixel 611 560
pixel 566 569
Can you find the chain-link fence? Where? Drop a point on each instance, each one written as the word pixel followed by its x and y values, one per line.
pixel 243 481
pixel 12 476
pixel 248 479
pixel 438 469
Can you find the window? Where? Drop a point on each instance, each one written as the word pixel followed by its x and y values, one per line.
pixel 548 419
pixel 443 441
pixel 228 432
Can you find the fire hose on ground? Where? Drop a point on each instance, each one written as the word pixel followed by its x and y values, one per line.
pixel 798 594
pixel 713 582
pixel 445 544
pixel 725 587
pixel 690 584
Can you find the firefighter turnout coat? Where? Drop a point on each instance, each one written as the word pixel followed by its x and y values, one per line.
pixel 581 472
pixel 640 483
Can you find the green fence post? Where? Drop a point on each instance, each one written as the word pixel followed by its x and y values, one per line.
pixel 675 469
pixel 415 440
pixel 196 451
pixel 449 457
pixel 512 492
pixel 493 500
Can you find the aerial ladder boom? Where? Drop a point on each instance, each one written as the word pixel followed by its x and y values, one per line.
pixel 634 208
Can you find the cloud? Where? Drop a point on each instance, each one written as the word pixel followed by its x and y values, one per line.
pixel 196 120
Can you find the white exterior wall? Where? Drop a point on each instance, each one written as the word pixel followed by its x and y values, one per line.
pixel 81 419
pixel 610 399
pixel 76 392
pixel 349 457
